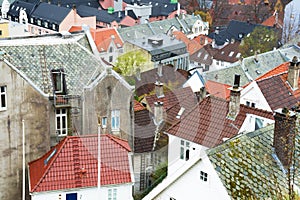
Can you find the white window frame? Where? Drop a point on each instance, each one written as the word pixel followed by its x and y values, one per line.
pixel 203 176
pixel 115 120
pixel 59 74
pixel 61 119
pixel 184 147
pixel 104 122
pixel 112 194
pixel 3 94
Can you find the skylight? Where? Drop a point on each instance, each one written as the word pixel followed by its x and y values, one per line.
pixel 231 53
pixel 182 109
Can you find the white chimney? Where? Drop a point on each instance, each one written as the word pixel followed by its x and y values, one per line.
pixel 158 112
pixel 293 73
pixel 159 89
pixel 235 95
pixel 159 69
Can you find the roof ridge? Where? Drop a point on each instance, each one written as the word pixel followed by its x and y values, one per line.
pixel 61 145
pixel 115 139
pixel 258 109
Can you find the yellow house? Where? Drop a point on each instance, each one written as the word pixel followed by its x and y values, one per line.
pixel 4 28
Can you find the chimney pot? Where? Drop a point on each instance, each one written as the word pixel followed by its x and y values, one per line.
pixel 293 73
pixel 159 89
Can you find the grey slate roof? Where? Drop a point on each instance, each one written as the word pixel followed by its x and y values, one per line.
pixel 50 12
pixel 157 27
pixel 31 54
pixel 247 166
pixel 16 6
pixel 248 68
pixel 70 3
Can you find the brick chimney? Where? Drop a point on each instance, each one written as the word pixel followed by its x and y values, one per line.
pixel 284 135
pixel 158 112
pixel 235 95
pixel 293 73
pixel 159 91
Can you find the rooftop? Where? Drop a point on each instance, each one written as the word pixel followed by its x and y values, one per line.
pixel 78 157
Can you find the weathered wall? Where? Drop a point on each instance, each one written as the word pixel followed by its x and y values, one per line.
pixel 100 100
pixel 23 103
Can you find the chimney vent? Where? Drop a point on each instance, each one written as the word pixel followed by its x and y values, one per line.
pixel 235 95
pixel 293 73
pixel 159 89
pixel 284 135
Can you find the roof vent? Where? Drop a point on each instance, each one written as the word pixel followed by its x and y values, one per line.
pixel 155 41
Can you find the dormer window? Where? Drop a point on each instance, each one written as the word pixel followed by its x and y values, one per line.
pixel 31 20
pixel 184 150
pixel 59 82
pixel 53 26
pixel 39 22
pixel 46 24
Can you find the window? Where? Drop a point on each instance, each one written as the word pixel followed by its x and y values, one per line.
pixel 61 122
pixel 203 176
pixel 253 105
pixel 53 27
pixel 258 123
pixel 3 99
pixel 247 103
pixel 59 81
pixel 115 120
pixel 110 58
pixel 184 150
pixel 217 62
pixel 40 31
pixel 0 32
pixel 46 24
pixel 110 49
pixel 71 196
pixel 31 20
pixel 32 30
pixel 112 194
pixel 104 122
pixel 39 22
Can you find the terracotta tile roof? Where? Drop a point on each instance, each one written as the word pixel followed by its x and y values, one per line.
pixel 138 106
pixel 278 93
pixel 283 68
pixel 207 124
pixel 271 21
pixel 192 45
pixel 103 38
pixel 201 39
pixel 72 163
pixel 217 89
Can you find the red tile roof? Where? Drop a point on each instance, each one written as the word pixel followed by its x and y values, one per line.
pixel 218 89
pixel 192 45
pixel 207 124
pixel 283 68
pixel 138 106
pixel 72 163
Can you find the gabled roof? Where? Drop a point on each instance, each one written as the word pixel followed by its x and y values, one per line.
pixel 70 3
pixel 217 89
pixel 248 68
pixel 137 106
pixel 50 12
pixel 207 123
pixel 248 168
pixel 229 53
pixel 157 27
pixel 278 92
pixel 204 55
pixel 283 68
pixel 235 29
pixel 175 78
pixel 30 55
pixel 16 6
pixel 73 163
pixel 191 45
pixel 104 36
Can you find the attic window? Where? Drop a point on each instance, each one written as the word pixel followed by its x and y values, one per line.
pixel 199 54
pixel 156 4
pixel 240 35
pixel 238 55
pixel 231 54
pixel 59 82
pixel 182 109
pixel 166 5
pixel 205 57
pixel 161 27
pixel 257 71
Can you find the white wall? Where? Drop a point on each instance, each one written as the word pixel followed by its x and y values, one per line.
pixel 252 93
pixel 249 123
pixel 190 186
pixel 123 192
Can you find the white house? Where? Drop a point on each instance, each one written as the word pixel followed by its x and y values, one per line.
pixel 209 124
pixel 275 89
pixel 69 171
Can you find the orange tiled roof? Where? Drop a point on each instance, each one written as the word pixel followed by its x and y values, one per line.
pixel 103 38
pixel 73 163
pixel 192 45
pixel 218 89
pixel 138 106
pixel 275 71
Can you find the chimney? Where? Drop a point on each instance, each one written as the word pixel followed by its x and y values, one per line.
pixel 159 89
pixel 138 74
pixel 159 69
pixel 217 30
pixel 235 94
pixel 293 73
pixel 158 112
pixel 284 135
pixel 201 94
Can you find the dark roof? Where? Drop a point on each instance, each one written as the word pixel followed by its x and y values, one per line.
pixel 176 78
pixel 70 3
pixel 278 93
pixel 50 12
pixel 144 131
pixel 16 6
pixel 103 15
pixel 229 53
pixel 236 30
pixel 204 55
pixel 207 124
pixel 249 168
